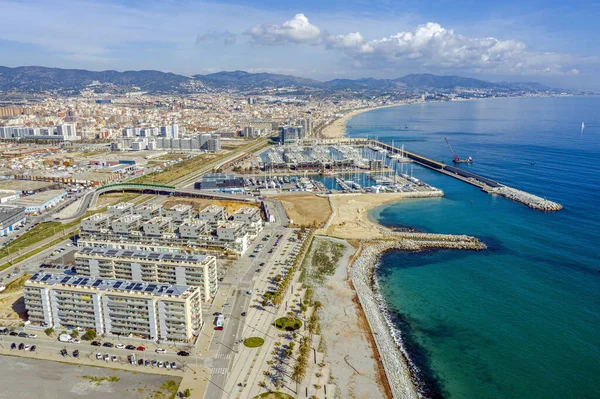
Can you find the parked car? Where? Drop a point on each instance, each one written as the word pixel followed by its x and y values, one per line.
pixel 63 352
pixel 130 347
pixel 161 350
pixel 96 343
pixel 140 362
pixel 108 344
pixel 141 348
pixel 173 365
pixel 147 363
pixel 76 353
pixel 13 346
pixel 243 314
pixel 99 356
pixel 167 365
pixel 22 335
pixel 27 347
pixel 120 346
pixel 32 349
pixel 114 358
pixel 161 364
pixel 154 363
pixel 106 357
pixel 13 334
pixel 21 346
pixel 183 353
pixel 75 341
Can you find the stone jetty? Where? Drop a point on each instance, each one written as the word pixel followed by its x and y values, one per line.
pixel 393 358
pixel 532 201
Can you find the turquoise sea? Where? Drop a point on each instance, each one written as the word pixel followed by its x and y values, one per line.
pixel 521 319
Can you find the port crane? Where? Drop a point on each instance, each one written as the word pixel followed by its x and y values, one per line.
pixel 456 158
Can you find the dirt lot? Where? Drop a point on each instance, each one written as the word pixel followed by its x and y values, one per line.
pixel 306 209
pixel 201 203
pixel 12 305
pixel 32 378
pixel 113 198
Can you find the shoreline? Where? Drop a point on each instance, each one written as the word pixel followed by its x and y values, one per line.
pixel 337 128
pixel 401 372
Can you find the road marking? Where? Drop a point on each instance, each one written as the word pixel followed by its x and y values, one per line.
pixel 223 356
pixel 219 370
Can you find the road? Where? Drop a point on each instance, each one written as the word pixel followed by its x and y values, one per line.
pixel 240 278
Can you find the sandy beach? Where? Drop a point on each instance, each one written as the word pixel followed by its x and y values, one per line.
pixel 351 214
pixel 337 128
pixel 350 348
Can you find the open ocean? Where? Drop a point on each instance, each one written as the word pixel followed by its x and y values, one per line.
pixel 521 319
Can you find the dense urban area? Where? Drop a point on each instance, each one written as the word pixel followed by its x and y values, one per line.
pixel 212 234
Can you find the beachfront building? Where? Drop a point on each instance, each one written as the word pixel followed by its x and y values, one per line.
pixel 178 269
pixel 114 307
pixel 213 231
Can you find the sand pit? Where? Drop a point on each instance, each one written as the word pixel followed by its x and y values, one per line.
pixel 306 209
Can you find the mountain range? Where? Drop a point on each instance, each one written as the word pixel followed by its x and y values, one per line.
pixel 70 81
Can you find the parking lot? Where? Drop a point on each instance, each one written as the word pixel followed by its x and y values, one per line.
pixel 63 381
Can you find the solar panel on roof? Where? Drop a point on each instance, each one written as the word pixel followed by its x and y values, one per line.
pixel 64 280
pixel 130 286
pixel 169 291
pixel 85 281
pixel 150 288
pixel 118 284
pixel 97 283
pixel 34 277
pixel 138 287
pixel 167 256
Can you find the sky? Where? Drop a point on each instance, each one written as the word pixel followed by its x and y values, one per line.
pixel 549 41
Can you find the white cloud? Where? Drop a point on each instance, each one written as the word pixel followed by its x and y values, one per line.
pixel 296 30
pixel 428 45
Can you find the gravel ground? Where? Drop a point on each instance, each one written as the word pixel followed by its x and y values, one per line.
pixel 43 379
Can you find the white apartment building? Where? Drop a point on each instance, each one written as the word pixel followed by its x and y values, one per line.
pixel 96 222
pixel 251 218
pixel 180 212
pixel 213 214
pixel 114 307
pixel 177 269
pixel 120 209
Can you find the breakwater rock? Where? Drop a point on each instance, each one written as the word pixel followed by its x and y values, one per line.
pixel 395 361
pixel 532 201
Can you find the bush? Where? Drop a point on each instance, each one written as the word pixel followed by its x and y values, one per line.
pixel 288 323
pixel 253 342
pixel 89 335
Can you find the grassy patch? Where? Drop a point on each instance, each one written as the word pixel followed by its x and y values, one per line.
pixel 253 342
pixel 273 395
pixel 16 285
pixel 99 380
pixel 288 323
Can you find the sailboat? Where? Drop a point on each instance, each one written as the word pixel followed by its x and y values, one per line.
pixel 582 126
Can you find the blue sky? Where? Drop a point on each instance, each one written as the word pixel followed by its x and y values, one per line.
pixel 550 42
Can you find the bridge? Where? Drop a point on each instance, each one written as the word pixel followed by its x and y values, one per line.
pixel 161 189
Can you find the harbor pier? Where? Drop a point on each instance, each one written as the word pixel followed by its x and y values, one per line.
pixel 484 183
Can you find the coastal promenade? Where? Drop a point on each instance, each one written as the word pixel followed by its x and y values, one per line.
pixel 401 379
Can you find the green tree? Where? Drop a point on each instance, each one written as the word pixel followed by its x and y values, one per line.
pixel 89 335
pixel 75 333
pixel 187 393
pixel 49 331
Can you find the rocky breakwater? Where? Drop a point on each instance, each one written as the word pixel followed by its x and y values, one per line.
pixel 395 362
pixel 532 201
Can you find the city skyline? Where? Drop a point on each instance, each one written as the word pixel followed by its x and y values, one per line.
pixel 509 41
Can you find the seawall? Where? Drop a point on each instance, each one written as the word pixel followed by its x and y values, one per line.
pixel 394 359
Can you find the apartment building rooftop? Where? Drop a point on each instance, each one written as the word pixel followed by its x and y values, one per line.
pixel 114 285
pixel 98 217
pixel 145 255
pixel 121 205
pixel 180 207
